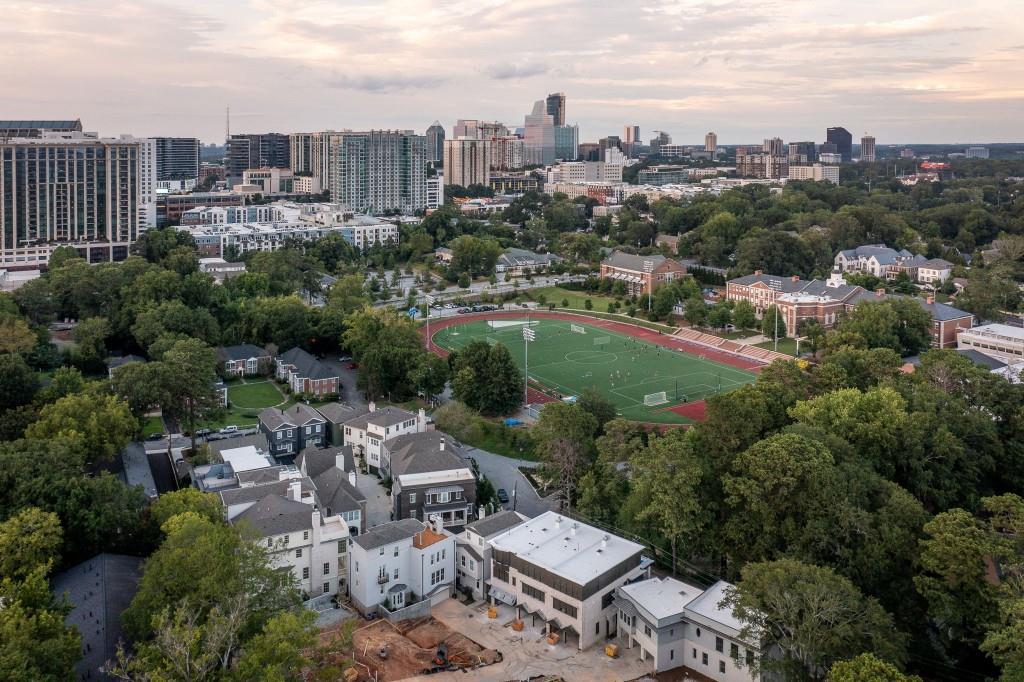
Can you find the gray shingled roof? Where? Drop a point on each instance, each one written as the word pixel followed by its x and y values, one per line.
pixel 295 416
pixel 777 282
pixel 495 523
pixel 242 351
pixel 336 413
pixel 258 441
pixel 336 494
pixel 417 453
pixel 306 365
pixel 314 461
pixel 275 515
pixel 387 533
pixel 256 492
pixel 621 259
pixel 938 311
pixel 936 264
pixel 980 358
pixel 385 416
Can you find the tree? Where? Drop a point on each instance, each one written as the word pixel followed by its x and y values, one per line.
pixel 564 437
pixel 720 315
pixel 696 311
pixel 277 652
pixel 868 668
pixel 667 477
pixel 473 256
pixel 15 335
pixel 191 500
pixel 597 405
pixel 430 376
pixel 18 383
pixel 30 539
pixel 772 324
pixel 100 426
pixel 813 616
pixel 387 347
pixel 143 385
pixel 90 337
pixel 191 374
pixel 486 378
pixel 743 315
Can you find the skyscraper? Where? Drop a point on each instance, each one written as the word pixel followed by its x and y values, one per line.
pixel 843 141
pixel 539 137
pixel 177 158
pixel 773 146
pixel 802 152
pixel 556 108
pixel 467 161
pixel 267 150
pixel 68 189
pixel 630 139
pixel 378 171
pixel 566 142
pixel 710 142
pixel 867 149
pixel 660 138
pixel 300 152
pixel 435 142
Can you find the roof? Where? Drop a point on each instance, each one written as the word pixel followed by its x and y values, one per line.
pixel 336 413
pixel 548 541
pixel 336 494
pixel 496 523
pixel 385 416
pixel 245 458
pixel 241 352
pixel 99 589
pixel 979 358
pixel 662 598
pixel 258 440
pixel 938 311
pixel 785 285
pixel 275 515
pixel 388 533
pixel 75 124
pixel 306 365
pixel 628 261
pixel 518 257
pixel 256 492
pixel 314 461
pixel 707 605
pixel 996 329
pixel 295 416
pixel 428 537
pixel 936 264
pixel 417 453
pixel 260 476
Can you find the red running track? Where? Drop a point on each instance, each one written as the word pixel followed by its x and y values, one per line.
pixel 696 410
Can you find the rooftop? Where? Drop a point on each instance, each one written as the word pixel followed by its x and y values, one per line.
pixel 568 548
pixel 242 351
pixel 628 261
pixel 294 416
pixel 707 605
pixel 1004 330
pixel 427 537
pixel 662 597
pixel 385 416
pixel 275 515
pixel 496 523
pixel 245 458
pixel 388 533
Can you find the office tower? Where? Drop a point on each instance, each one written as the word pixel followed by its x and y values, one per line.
pixel 843 141
pixel 177 158
pixel 567 142
pixel 539 137
pixel 378 171
pixel 35 129
pixel 867 149
pixel 630 139
pixel 660 138
pixel 68 189
pixel 300 152
pixel 589 151
pixel 556 108
pixel 466 127
pixel 606 143
pixel 435 142
pixel 467 161
pixel 711 142
pixel 269 150
pixel 773 146
pixel 802 153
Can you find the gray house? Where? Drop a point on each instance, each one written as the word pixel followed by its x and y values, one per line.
pixel 334 474
pixel 292 429
pixel 473 551
pixel 430 476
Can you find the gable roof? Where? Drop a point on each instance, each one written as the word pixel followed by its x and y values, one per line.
pixel 336 413
pixel 313 461
pixel 295 416
pixel 936 264
pixel 252 493
pixel 387 533
pixel 496 523
pixel 385 416
pixel 305 365
pixel 628 261
pixel 242 351
pixel 336 494
pixel 785 285
pixel 418 453
pixel 257 440
pixel 274 515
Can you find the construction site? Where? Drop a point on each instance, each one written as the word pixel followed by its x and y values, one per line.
pixel 388 651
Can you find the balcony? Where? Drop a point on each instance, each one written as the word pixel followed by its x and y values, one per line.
pixel 383 579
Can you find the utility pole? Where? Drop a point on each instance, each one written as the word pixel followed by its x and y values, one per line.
pixel 776 312
pixel 429 302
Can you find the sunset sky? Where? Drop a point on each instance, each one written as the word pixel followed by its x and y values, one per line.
pixel 908 71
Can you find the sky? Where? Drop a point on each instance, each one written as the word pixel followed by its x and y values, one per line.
pixel 924 71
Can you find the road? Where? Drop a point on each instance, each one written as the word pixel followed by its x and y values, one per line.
pixel 503 472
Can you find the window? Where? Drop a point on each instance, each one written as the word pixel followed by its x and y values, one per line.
pixel 341 547
pixel 734 650
pixel 567 609
pixel 750 657
pixel 382 551
pixel 704 658
pixel 327 568
pixel 298 553
pixel 280 435
pixel 270 542
pixel 531 591
pixel 472 565
pixel 721 666
pixel 327 587
pixel 412 498
pixel 698 633
pixel 305 572
pixel 671 654
pixel 286 539
pixel 719 644
pixel 305 535
pixel 462 560
pixel 647 630
pixel 289 432
pixel 606 600
pixel 396 550
pixel 396 574
pixel 597 628
pixel 695 653
pixel 671 631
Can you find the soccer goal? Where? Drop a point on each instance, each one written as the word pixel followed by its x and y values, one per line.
pixel 602 340
pixel 491 340
pixel 659 398
pixel 577 329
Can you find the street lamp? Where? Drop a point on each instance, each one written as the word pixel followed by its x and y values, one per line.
pixel 528 336
pixel 649 268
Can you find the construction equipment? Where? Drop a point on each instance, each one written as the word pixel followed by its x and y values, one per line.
pixel 383 652
pixel 441 657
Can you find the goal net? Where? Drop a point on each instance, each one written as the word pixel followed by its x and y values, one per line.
pixel 659 398
pixel 602 340
pixel 491 340
pixel 577 329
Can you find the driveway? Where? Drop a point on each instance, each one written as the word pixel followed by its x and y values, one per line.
pixel 503 472
pixel 378 503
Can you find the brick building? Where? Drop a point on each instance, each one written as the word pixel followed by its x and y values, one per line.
pixel 641 274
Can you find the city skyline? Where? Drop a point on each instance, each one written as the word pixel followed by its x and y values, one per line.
pixel 920 72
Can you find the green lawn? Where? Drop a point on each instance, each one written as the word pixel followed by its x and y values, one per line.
pixel 786 345
pixel 151 425
pixel 577 299
pixel 502 440
pixel 255 395
pixel 238 416
pixel 624 369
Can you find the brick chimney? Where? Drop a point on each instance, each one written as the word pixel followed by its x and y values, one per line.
pixel 930 300
pixel 795 278
pixel 880 292
pixel 758 272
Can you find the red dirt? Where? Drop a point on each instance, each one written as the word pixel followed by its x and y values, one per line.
pixel 696 410
pixel 411 646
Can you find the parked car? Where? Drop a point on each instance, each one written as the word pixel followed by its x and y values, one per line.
pixel 203 432
pixel 229 429
pixel 502 496
pixel 155 436
pixel 463 311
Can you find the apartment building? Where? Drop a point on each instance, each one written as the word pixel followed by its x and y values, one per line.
pixel 563 574
pixel 245 151
pixel 876 259
pixel 177 158
pixel 397 565
pixel 816 172
pixel 305 374
pixel 762 165
pixel 585 171
pixel 214 240
pixel 995 340
pixel 430 477
pixel 473 550
pixel 467 161
pixel 378 171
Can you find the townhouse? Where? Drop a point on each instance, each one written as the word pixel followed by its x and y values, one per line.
pixel 305 374
pixel 244 360
pixel 640 274
pixel 429 477
pixel 473 551
pixel 291 429
pixel 367 432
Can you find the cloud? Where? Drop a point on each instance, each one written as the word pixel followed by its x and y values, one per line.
pixel 385 83
pixel 508 70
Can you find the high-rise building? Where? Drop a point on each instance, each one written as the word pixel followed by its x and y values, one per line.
pixel 539 137
pixel 589 151
pixel 567 140
pixel 556 108
pixel 68 189
pixel 378 171
pixel 245 151
pixel 606 143
pixel 33 129
pixel 710 142
pixel 660 138
pixel 300 152
pixel 466 127
pixel 802 153
pixel 630 139
pixel 762 166
pixel 148 167
pixel 507 152
pixel 467 161
pixel 177 158
pixel 976 152
pixel 843 141
pixel 435 142
pixel 773 146
pixel 867 149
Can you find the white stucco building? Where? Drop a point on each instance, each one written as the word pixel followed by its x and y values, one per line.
pixel 473 550
pixel 368 431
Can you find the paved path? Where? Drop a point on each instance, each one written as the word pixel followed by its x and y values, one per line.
pixel 378 504
pixel 503 472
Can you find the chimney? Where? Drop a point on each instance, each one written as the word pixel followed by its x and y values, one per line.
pixel 604 541
pixel 295 491
pixel 421 421
pixel 442 445
pixel 339 461
pixel 758 272
pixel 880 292
pixel 352 478
pixel 316 518
pixel 795 278
pixel 481 512
pixel 573 530
pixel 558 522
pixel 930 300
pixel 373 406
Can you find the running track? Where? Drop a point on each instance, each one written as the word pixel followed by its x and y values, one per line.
pixel 696 410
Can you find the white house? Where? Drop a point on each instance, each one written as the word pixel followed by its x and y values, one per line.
pixel 935 271
pixel 673 624
pixel 366 432
pixel 399 564
pixel 876 259
pixel 473 551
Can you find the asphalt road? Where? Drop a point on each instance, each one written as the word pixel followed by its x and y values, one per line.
pixel 503 472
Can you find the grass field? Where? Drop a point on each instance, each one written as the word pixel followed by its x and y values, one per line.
pixel 576 299
pixel 624 369
pixel 786 345
pixel 255 394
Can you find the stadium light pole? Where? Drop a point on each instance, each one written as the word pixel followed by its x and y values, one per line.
pixel 649 268
pixel 429 302
pixel 528 336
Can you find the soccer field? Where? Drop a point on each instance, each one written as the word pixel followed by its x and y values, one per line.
pixel 644 380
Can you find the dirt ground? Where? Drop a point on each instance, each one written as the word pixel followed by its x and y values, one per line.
pixel 411 646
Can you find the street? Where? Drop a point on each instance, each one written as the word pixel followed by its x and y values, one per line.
pixel 503 472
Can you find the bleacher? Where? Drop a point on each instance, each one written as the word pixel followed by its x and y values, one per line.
pixel 718 343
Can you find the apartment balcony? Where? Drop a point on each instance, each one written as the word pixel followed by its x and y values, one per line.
pixel 383 579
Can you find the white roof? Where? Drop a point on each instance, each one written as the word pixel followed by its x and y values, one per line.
pixel 245 458
pixel 707 605
pixel 549 541
pixel 1014 373
pixel 663 597
pixel 998 330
